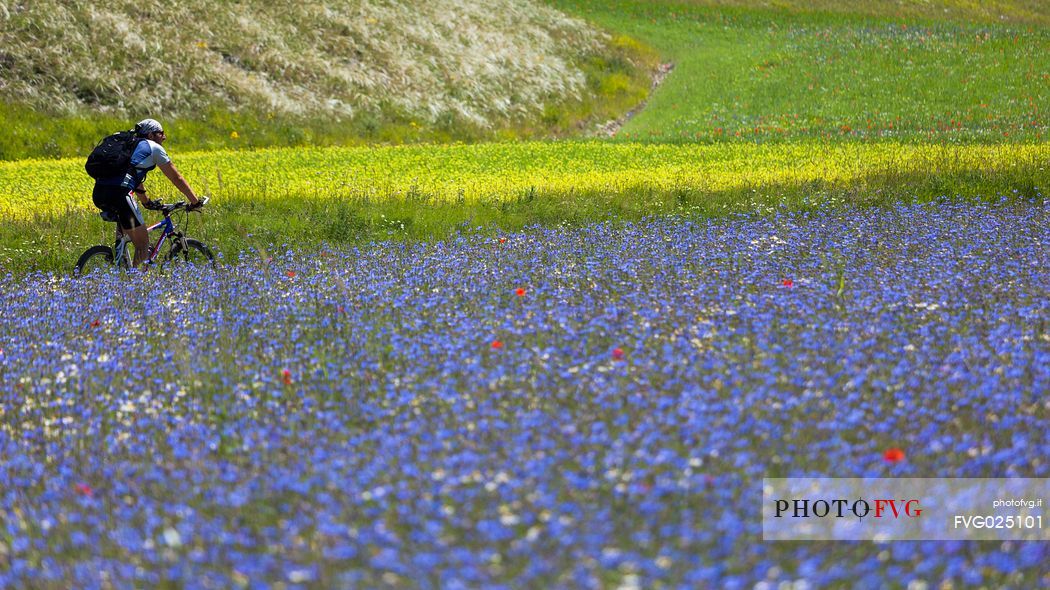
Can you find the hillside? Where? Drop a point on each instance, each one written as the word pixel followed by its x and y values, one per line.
pixel 396 70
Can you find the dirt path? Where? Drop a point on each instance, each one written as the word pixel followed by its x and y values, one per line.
pixel 613 127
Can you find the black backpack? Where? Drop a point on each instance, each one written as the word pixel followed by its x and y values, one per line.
pixel 112 156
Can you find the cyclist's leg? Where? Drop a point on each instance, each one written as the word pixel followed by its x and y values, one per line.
pixel 120 201
pixel 132 223
pixel 140 237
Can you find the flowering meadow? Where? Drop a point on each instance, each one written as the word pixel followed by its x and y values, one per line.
pixel 589 406
pixel 493 172
pixel 352 196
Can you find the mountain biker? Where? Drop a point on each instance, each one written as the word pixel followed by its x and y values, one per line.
pixel 114 194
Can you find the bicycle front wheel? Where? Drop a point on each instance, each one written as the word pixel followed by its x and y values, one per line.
pixel 93 259
pixel 194 253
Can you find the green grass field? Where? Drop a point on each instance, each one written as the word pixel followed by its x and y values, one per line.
pixel 783 74
pixel 770 105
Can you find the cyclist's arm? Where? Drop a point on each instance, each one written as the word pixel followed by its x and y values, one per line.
pixel 179 182
pixel 140 192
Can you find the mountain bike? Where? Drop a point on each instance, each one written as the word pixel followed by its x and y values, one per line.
pixel 180 248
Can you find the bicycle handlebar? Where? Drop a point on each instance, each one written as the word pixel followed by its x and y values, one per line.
pixel 201 202
pixel 168 209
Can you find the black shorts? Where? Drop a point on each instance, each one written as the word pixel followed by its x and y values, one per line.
pixel 118 201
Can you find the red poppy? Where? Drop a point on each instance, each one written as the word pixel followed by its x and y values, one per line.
pixel 291 274
pixel 893 455
pixel 787 283
pixel 497 344
pixel 618 354
pixel 84 490
pixel 96 324
pixel 520 292
pixel 286 376
pixel 503 240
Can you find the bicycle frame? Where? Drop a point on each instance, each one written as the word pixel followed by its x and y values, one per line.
pixel 167 227
pixel 168 230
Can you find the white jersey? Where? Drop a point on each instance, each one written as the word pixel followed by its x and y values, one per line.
pixel 147 155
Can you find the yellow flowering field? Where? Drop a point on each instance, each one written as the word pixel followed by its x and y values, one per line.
pixel 489 173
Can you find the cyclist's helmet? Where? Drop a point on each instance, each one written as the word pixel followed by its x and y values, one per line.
pixel 147 126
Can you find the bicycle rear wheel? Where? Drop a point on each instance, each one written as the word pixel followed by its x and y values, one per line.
pixel 194 253
pixel 93 259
